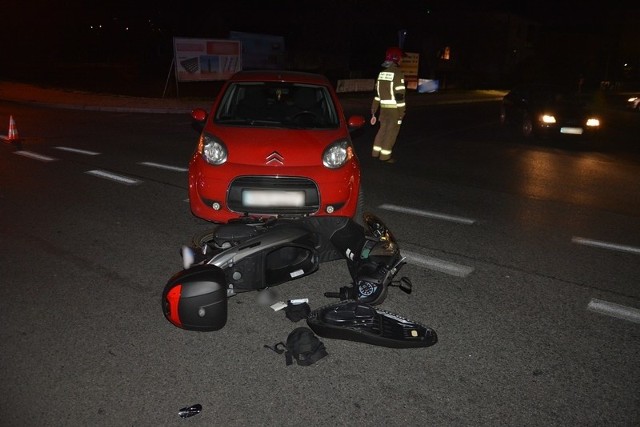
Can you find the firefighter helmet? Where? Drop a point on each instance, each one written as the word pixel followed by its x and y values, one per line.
pixel 394 54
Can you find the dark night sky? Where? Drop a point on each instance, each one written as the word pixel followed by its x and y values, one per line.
pixel 33 17
pixel 61 31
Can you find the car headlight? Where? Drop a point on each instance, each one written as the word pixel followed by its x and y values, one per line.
pixel 548 118
pixel 632 99
pixel 337 154
pixel 593 122
pixel 212 150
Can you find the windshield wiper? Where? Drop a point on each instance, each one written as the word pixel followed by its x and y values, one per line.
pixel 249 122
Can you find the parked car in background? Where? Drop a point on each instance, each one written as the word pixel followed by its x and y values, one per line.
pixel 275 143
pixel 545 110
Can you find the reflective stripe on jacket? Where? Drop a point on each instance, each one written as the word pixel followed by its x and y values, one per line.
pixel 390 90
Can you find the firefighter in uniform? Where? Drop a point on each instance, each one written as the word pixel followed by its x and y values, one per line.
pixel 390 100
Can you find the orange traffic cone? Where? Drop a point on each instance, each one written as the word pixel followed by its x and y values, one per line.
pixel 13 131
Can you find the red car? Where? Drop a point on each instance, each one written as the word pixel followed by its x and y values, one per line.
pixel 276 143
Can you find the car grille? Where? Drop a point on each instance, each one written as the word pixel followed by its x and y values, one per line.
pixel 310 204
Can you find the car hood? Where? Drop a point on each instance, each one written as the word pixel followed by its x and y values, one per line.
pixel 277 147
pixel 569 109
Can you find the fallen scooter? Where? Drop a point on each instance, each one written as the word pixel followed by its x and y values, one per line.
pixel 256 254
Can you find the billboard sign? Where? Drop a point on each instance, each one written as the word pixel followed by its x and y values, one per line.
pixel 260 51
pixel 206 59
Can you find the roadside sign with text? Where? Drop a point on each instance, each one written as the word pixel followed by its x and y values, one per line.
pixel 260 51
pixel 206 59
pixel 409 67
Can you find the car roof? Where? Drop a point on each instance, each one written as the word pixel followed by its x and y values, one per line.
pixel 279 76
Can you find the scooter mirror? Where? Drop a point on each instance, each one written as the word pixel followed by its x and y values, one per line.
pixel 378 228
pixel 405 285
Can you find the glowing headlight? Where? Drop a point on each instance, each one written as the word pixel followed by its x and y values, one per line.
pixel 593 122
pixel 337 154
pixel 212 150
pixel 632 99
pixel 548 118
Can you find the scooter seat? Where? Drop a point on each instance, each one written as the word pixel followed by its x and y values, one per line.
pixel 356 321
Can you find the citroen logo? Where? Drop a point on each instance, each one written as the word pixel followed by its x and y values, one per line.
pixel 275 158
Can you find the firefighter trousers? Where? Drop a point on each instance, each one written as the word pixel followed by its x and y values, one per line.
pixel 387 134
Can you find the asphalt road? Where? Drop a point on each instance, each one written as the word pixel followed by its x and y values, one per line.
pixel 492 228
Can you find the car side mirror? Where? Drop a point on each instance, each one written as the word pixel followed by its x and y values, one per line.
pixel 199 114
pixel 355 122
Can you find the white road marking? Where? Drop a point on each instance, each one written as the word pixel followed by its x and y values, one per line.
pixel 614 310
pixel 113 177
pixel 35 156
pixel 599 244
pixel 161 166
pixel 427 214
pixel 76 150
pixel 437 264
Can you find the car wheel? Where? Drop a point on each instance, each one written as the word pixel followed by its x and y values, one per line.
pixel 526 126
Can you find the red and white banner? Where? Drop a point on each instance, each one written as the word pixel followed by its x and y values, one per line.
pixel 206 59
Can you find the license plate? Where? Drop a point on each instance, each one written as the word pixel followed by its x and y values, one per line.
pixel 572 131
pixel 266 198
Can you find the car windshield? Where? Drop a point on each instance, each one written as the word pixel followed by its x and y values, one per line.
pixel 285 105
pixel 554 95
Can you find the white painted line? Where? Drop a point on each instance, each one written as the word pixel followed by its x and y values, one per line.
pixel 437 264
pixel 161 166
pixel 614 310
pixel 113 177
pixel 76 150
pixel 427 214
pixel 599 244
pixel 35 156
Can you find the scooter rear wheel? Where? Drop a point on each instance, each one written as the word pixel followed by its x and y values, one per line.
pixel 204 238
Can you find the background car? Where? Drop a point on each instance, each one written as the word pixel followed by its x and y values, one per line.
pixel 547 110
pixel 634 103
pixel 275 144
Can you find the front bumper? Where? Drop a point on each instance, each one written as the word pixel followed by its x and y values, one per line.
pixel 219 194
pixel 569 130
